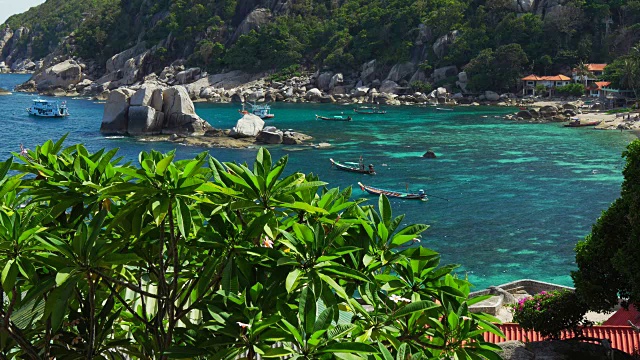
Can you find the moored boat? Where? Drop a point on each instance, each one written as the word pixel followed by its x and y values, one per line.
pixel 46 108
pixel 409 196
pixel 263 111
pixel 579 123
pixel 334 118
pixel 370 110
pixel 444 109
pixel 361 169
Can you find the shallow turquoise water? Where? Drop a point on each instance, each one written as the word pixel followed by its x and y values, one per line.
pixel 519 195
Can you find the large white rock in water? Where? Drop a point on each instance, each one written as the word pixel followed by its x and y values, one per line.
pixel 248 126
pixel 115 118
pixel 59 76
pixel 180 114
pixel 491 96
pixel 144 120
pixel 143 96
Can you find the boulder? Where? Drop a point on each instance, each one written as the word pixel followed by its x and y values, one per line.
pixel 548 111
pixel 336 80
pixel 491 96
pixel 294 138
pixel 525 114
pixel 429 155
pixel 237 98
pixel 188 76
pixel 325 99
pixel 368 71
pixel 248 126
pixel 179 113
pixel 324 80
pixel 389 87
pixel 115 118
pixel 257 95
pixel 442 73
pixel 401 71
pixel 360 91
pixel 144 120
pixel 568 106
pixel 117 62
pixel 313 95
pixel 441 92
pixel 522 6
pixel 270 137
pixel 143 96
pixel 61 75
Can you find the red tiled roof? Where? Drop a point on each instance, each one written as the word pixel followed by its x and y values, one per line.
pixel 602 84
pixel 623 338
pixel 622 317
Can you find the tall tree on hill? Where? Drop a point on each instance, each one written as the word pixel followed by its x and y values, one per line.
pixel 583 71
pixel 607 259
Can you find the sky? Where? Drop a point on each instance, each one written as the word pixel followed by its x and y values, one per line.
pixel 11 7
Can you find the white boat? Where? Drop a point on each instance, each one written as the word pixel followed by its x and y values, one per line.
pixel 263 111
pixel 46 108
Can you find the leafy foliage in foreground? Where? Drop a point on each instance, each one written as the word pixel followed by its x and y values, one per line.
pixel 173 259
pixel 607 258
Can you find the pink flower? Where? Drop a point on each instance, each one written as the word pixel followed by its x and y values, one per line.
pixel 268 243
pixel 23 150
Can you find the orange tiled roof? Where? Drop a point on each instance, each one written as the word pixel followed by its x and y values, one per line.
pixel 558 77
pixel 601 84
pixel 623 338
pixel 534 77
pixel 531 77
pixel 622 317
pixel 596 67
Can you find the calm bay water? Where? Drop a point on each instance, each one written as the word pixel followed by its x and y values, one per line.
pixel 508 200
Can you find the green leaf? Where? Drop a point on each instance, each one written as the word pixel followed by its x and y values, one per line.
pixel 385 209
pixel 306 207
pixel 292 280
pixel 385 352
pixel 162 165
pixel 307 310
pixel 277 352
pixel 415 307
pixel 9 275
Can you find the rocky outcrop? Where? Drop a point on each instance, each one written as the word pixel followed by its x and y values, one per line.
pixel 429 155
pixel 253 21
pixel 115 119
pixel 368 71
pixel 324 80
pixel 401 71
pixel 442 73
pixel 522 6
pixel 270 137
pixel 151 111
pixel 248 126
pixel 441 46
pixel 491 96
pixel 60 76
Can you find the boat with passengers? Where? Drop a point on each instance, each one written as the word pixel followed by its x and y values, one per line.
pixel 48 108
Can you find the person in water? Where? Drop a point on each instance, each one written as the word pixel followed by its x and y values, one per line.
pixel 371 170
pixel 361 163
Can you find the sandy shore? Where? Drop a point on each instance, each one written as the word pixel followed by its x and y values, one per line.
pixel 607 121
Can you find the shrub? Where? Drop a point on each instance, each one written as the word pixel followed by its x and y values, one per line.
pixel 549 313
pixel 423 87
pixel 571 90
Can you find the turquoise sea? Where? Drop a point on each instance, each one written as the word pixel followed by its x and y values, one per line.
pixel 509 200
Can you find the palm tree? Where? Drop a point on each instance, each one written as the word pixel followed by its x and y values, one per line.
pixel 583 71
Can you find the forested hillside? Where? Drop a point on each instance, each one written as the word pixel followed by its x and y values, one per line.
pixel 542 36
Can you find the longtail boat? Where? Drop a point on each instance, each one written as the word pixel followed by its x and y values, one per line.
pixel 409 196
pixel 578 123
pixel 362 170
pixel 334 118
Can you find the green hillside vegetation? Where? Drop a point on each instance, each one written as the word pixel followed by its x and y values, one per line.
pixel 55 19
pixel 343 35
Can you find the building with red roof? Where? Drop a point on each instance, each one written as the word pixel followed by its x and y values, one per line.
pixel 624 317
pixel 623 338
pixel 596 71
pixel 530 82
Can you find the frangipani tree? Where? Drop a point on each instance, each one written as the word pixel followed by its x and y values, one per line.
pixel 201 259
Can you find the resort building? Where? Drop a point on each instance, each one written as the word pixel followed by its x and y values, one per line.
pixel 596 89
pixel 596 71
pixel 530 82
